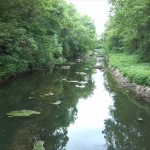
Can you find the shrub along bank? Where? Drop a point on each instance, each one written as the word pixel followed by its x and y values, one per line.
pixel 35 33
pixel 130 67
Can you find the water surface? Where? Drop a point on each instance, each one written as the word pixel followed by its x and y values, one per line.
pixel 86 132
pixel 99 116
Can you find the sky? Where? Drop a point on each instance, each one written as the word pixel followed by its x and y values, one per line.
pixel 98 10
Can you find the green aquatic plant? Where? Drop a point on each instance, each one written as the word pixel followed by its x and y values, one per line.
pixel 65 67
pixel 80 86
pixel 31 97
pixel 72 81
pixel 22 113
pixel 38 145
pixel 81 73
pixel 49 94
pixel 56 103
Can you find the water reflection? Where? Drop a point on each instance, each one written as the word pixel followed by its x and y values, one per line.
pixel 123 130
pixel 81 118
pixel 52 125
pixel 85 133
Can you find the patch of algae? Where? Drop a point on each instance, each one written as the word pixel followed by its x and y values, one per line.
pixel 38 145
pixel 22 113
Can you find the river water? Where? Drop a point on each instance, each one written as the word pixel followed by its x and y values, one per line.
pixel 94 113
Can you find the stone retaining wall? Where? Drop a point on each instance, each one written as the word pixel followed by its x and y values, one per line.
pixel 140 90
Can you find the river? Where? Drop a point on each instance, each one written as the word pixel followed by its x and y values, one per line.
pixel 94 113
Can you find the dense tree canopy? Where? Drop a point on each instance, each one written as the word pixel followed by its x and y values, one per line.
pixel 34 33
pixel 128 29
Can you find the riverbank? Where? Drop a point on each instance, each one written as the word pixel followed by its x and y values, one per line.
pixel 4 78
pixel 131 74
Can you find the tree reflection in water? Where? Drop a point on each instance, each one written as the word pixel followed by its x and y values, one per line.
pixel 51 126
pixel 122 130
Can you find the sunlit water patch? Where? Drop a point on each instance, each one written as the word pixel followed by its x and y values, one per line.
pixel 86 132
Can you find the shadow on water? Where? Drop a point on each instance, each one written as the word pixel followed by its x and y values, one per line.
pixel 29 92
pixel 128 124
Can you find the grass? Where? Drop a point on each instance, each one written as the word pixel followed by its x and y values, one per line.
pixel 129 66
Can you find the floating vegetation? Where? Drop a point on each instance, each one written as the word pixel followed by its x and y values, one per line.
pixel 31 97
pixel 22 113
pixel 86 68
pixel 65 67
pixel 41 96
pixel 56 103
pixel 81 73
pixel 83 82
pixel 80 86
pixel 33 92
pixel 38 145
pixel 73 81
pixel 49 94
pixel 140 119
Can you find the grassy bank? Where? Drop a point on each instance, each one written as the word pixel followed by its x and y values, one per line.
pixel 129 66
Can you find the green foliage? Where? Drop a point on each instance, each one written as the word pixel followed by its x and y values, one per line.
pixel 35 33
pixel 129 66
pixel 128 28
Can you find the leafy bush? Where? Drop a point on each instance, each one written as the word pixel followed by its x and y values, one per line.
pixel 129 66
pixel 35 33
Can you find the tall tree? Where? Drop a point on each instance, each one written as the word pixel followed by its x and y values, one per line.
pixel 34 33
pixel 128 28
